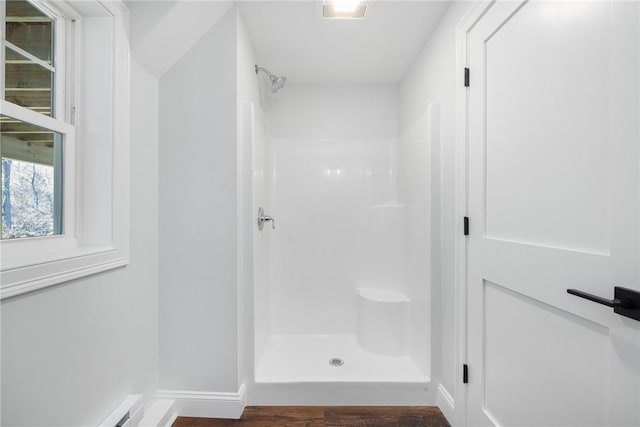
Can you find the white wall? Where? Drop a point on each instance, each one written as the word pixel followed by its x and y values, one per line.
pixel 198 216
pixel 166 29
pixel 251 136
pixel 72 352
pixel 334 202
pixel 431 81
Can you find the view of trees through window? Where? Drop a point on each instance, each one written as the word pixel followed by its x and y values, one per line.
pixel 31 179
pixel 27 199
pixel 31 155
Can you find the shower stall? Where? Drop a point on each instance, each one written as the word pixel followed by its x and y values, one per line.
pixel 342 274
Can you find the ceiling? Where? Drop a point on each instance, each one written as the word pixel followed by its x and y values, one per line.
pixel 164 30
pixel 290 38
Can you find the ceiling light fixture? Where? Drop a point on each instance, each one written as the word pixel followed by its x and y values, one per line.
pixel 343 9
pixel 346 6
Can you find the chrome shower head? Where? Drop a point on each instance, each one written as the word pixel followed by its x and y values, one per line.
pixel 277 83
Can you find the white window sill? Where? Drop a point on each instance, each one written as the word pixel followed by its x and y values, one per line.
pixel 66 266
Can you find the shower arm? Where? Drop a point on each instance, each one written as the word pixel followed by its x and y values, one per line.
pixel 264 70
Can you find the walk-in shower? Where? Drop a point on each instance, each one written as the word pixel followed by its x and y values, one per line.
pixel 342 285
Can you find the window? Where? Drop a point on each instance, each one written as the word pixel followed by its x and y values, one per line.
pixel 32 156
pixel 64 137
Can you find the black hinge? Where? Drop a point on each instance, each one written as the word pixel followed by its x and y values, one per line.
pixel 466 77
pixel 465 374
pixel 466 225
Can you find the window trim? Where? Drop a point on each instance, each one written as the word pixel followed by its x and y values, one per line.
pixel 34 263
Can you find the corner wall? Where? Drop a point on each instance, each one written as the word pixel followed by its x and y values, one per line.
pixel 430 83
pixel 209 102
pixel 251 139
pixel 198 217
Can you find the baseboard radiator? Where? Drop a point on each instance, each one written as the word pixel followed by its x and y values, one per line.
pixel 128 414
pixel 131 413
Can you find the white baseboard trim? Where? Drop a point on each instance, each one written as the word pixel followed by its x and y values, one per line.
pixel 207 404
pixel 446 403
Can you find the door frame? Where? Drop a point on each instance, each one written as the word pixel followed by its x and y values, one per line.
pixel 477 10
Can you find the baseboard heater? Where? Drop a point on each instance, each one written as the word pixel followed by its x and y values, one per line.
pixel 131 413
pixel 128 414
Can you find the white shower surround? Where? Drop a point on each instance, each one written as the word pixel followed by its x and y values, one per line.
pixel 329 167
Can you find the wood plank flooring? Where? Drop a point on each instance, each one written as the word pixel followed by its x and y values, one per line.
pixel 326 416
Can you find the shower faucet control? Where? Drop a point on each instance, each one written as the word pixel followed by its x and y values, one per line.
pixel 262 218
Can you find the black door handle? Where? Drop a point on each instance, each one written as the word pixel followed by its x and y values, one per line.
pixel 625 302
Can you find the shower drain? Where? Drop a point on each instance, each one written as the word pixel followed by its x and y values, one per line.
pixel 336 362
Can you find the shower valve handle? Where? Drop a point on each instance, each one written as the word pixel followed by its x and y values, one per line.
pixel 262 218
pixel 268 218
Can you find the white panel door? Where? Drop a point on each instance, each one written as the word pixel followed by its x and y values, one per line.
pixel 553 128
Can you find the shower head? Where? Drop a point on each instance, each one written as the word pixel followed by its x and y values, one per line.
pixel 277 83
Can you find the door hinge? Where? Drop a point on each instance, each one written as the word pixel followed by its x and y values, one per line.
pixel 466 225
pixel 465 374
pixel 466 77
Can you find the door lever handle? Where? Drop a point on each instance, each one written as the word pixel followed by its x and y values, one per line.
pixel 625 302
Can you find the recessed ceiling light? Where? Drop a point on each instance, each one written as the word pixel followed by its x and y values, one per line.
pixel 343 9
pixel 346 6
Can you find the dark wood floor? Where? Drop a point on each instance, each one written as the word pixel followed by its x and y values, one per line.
pixel 326 416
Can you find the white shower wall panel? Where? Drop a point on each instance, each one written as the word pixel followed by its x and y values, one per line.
pixel 261 239
pixel 419 142
pixel 333 192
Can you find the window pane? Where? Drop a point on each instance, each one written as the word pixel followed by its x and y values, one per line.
pixel 28 84
pixel 29 29
pixel 31 180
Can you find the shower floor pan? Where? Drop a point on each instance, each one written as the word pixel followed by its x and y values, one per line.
pixel 316 358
